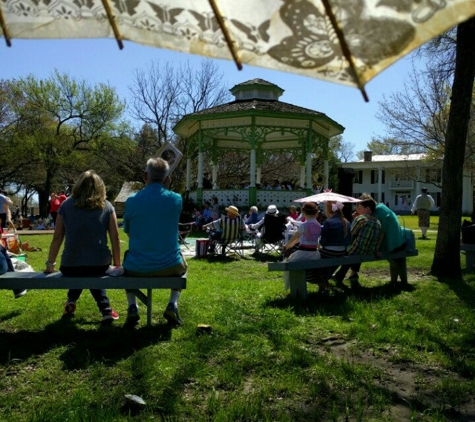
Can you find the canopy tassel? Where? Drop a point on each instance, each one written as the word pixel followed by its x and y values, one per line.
pixel 113 24
pixel 344 47
pixel 227 37
pixel 3 24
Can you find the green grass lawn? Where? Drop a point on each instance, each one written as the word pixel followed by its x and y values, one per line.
pixel 379 354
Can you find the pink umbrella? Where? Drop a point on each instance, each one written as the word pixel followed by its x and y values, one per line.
pixel 328 196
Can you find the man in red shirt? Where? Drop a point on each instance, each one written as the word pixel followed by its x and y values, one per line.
pixel 54 204
pixel 62 197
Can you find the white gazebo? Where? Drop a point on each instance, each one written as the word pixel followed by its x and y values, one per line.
pixel 256 121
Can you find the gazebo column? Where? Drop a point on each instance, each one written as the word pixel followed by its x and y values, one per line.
pixel 252 179
pixel 188 174
pixel 302 177
pixel 215 176
pixel 199 191
pixel 258 175
pixel 309 173
pixel 325 173
pixel 252 198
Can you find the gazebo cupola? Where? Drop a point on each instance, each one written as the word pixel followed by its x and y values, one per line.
pixel 256 89
pixel 256 121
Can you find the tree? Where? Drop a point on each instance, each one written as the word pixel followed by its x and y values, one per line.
pixel 446 261
pixel 416 118
pixel 432 115
pixel 54 124
pixel 163 94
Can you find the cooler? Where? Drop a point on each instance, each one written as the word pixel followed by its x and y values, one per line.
pixel 201 250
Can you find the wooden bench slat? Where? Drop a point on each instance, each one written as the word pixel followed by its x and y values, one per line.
pixel 297 270
pixel 42 281
pixel 332 262
pixel 30 280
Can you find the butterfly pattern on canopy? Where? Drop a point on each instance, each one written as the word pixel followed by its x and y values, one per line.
pixel 288 35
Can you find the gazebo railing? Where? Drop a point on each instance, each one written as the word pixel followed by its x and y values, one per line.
pixel 241 198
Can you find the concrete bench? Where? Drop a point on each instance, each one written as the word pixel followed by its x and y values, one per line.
pixel 297 276
pixel 469 250
pixel 41 281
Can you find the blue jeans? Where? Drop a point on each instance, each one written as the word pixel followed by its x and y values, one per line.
pixel 99 295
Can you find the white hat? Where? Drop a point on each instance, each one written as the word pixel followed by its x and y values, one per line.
pixel 272 209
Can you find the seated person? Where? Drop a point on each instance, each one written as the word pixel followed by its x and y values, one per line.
pixel 365 236
pixel 305 238
pixel 196 214
pixel 40 225
pixel 271 210
pixel 206 215
pixel 334 239
pixel 216 229
pixel 293 213
pixel 252 218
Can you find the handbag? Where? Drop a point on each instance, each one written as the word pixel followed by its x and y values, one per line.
pixel 409 237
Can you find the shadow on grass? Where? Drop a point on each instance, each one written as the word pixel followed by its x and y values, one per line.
pixel 107 344
pixel 10 315
pixel 337 302
pixel 463 288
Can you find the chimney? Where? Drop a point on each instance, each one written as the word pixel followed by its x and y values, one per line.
pixel 368 156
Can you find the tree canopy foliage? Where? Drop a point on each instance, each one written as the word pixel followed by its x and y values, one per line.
pixel 52 129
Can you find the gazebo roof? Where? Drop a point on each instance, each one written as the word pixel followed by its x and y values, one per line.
pixel 257 104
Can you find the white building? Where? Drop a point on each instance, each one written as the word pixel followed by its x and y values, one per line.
pixel 397 180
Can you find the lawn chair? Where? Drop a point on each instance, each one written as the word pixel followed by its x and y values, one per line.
pixel 230 236
pixel 184 229
pixel 272 234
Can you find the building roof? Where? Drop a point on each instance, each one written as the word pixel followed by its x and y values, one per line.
pixel 257 105
pixel 393 158
pixel 128 188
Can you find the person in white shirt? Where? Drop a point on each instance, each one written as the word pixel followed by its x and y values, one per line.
pixel 422 206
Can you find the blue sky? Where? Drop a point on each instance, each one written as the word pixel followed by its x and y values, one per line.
pixel 102 61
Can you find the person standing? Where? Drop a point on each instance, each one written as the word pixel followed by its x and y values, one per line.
pixel 151 220
pixel 422 206
pixel 5 214
pixel 62 196
pixel 83 222
pixel 54 205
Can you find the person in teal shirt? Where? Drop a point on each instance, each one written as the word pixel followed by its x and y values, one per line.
pixel 151 220
pixel 392 238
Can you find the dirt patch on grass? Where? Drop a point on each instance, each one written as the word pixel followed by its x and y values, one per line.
pixel 416 389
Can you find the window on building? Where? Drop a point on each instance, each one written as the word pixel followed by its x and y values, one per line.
pixel 359 177
pixel 375 176
pixel 433 175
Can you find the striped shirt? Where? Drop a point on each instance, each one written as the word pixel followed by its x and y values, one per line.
pixel 365 231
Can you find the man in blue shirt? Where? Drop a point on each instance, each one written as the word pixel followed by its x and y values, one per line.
pixel 151 221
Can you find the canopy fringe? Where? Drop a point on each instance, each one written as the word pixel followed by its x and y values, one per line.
pixel 113 24
pixel 227 37
pixel 3 24
pixel 344 47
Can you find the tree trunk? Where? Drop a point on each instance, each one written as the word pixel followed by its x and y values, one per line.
pixel 446 261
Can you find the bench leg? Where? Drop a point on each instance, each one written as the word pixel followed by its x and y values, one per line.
pixel 469 260
pixel 297 281
pixel 398 267
pixel 149 307
pixel 146 300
